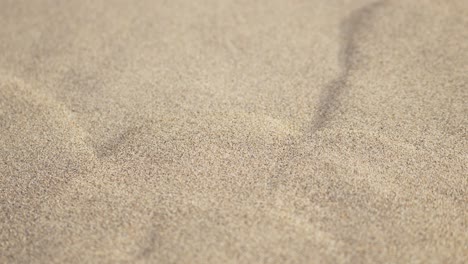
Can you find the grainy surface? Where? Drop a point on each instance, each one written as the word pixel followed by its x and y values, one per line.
pixel 269 131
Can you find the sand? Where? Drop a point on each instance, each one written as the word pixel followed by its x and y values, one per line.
pixel 212 131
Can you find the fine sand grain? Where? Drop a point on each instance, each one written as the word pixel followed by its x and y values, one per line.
pixel 219 131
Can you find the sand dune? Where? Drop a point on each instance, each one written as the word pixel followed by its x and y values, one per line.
pixel 233 131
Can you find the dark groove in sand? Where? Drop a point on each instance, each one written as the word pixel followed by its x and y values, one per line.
pixel 330 95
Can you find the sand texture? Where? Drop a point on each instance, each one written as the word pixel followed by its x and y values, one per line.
pixel 234 131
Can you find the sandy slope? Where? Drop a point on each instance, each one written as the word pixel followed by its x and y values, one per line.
pixel 233 131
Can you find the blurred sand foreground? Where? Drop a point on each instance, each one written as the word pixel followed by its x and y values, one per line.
pixel 267 131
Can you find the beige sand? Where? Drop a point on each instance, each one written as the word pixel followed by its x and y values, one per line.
pixel 267 131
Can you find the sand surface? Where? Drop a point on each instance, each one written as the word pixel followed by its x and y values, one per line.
pixel 218 131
